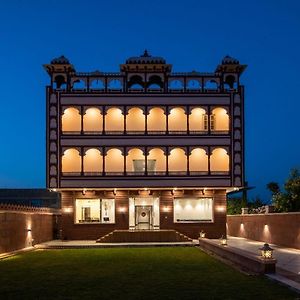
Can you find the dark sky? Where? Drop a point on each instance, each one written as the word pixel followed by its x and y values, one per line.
pixel 191 35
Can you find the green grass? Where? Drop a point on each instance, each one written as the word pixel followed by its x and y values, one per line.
pixel 129 273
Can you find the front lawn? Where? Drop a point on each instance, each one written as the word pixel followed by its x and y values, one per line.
pixel 129 273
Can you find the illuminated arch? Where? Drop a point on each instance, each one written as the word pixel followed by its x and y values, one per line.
pixel 198 160
pixel 71 120
pixel 71 161
pixel 92 161
pixel 177 160
pixel 114 120
pixel 114 161
pixel 135 120
pixel 177 119
pixel 219 119
pixel 198 120
pixel 156 119
pixel 93 120
pixel 135 161
pixel 219 160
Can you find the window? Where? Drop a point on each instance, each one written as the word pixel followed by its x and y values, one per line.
pixel 95 211
pixel 193 210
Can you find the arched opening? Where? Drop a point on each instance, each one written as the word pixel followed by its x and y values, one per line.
pixel 230 80
pixel 71 162
pixel 219 161
pixel 198 120
pixel 114 162
pixel 114 120
pixel 219 120
pixel 115 85
pixel 71 120
pixel 97 84
pixel 175 85
pixel 198 161
pixel 92 121
pixel 211 85
pixel 193 84
pixel 59 82
pixel 177 162
pixel 79 85
pixel 135 83
pixel 177 120
pixel 156 120
pixel 135 162
pixel 135 120
pixel 156 162
pixel 92 162
pixel 155 82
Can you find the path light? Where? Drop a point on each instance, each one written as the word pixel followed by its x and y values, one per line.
pixel 223 241
pixel 202 234
pixel 266 251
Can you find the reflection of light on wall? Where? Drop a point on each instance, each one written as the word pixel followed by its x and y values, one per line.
pixel 220 208
pixel 68 210
pixel 166 209
pixel 122 209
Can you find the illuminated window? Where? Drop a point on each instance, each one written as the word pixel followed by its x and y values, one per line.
pixel 193 210
pixel 95 211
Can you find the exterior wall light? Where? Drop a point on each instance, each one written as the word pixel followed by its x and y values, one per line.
pixel 266 251
pixel 223 241
pixel 202 234
pixel 115 192
pixel 83 191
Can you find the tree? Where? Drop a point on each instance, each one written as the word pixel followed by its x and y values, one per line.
pixel 289 199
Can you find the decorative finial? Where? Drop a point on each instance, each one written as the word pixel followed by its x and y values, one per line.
pixel 146 54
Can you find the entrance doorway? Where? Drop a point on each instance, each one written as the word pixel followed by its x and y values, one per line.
pixel 143 217
pixel 143 213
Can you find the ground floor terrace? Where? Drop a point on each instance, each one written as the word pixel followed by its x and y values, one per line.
pixel 92 214
pixel 130 273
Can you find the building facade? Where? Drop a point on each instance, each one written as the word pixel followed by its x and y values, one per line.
pixel 144 148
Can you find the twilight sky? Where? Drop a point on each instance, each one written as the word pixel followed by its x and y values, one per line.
pixel 191 35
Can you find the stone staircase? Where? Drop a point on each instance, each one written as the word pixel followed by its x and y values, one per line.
pixel 144 236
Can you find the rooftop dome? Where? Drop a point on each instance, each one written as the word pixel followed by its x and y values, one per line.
pixel 228 60
pixel 60 61
pixel 145 58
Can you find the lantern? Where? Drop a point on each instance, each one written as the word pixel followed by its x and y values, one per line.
pixel 266 251
pixel 223 241
pixel 202 234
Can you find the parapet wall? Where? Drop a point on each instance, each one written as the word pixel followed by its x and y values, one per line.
pixel 24 226
pixel 276 228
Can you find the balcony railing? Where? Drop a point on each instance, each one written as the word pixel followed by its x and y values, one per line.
pixel 148 174
pixel 142 132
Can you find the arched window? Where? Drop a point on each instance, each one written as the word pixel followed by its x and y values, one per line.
pixel 79 85
pixel 219 161
pixel 177 119
pixel 198 120
pixel 114 162
pixel 230 81
pixel 135 82
pixel 177 162
pixel 71 162
pixel 193 84
pixel 155 82
pixel 114 120
pixel 71 120
pixel 135 162
pixel 219 120
pixel 97 84
pixel 115 84
pixel 135 120
pixel 92 121
pixel 92 162
pixel 198 161
pixel 59 82
pixel 156 120
pixel 211 85
pixel 156 162
pixel 175 84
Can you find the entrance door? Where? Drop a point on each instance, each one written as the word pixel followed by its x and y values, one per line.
pixel 143 217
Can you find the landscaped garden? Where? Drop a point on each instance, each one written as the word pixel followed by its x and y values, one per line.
pixel 130 273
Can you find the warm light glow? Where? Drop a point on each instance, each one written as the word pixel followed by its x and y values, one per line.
pixel 197 119
pixel 156 119
pixel 177 119
pixel 221 119
pixel 122 209
pixel 220 208
pixel 68 210
pixel 71 161
pixel 219 160
pixel 135 120
pixel 177 160
pixel 71 119
pixel 92 161
pixel 198 160
pixel 92 120
pixel 166 209
pixel 114 120
pixel 114 161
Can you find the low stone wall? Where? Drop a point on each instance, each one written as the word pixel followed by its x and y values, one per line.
pixel 22 226
pixel 276 228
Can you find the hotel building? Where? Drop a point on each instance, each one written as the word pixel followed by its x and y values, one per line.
pixel 144 148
